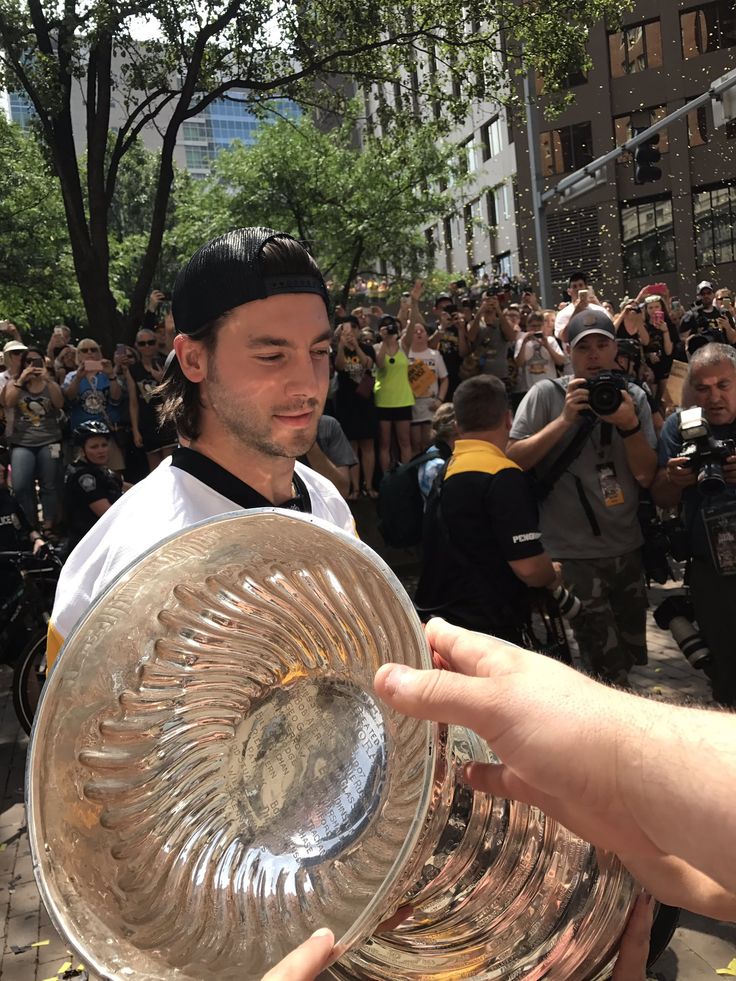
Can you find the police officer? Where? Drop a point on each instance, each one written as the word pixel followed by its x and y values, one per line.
pixel 710 519
pixel 90 487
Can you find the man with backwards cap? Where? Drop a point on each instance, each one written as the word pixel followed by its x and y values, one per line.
pixel 588 517
pixel 245 389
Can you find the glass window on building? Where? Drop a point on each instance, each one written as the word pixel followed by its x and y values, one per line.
pixel 714 214
pixel 648 237
pixel 709 27
pixel 566 149
pixel 21 109
pixel 504 264
pixel 635 49
pixel 491 209
pixel 491 138
pixel 624 132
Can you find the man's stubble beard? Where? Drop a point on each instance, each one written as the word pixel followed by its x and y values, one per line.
pixel 242 424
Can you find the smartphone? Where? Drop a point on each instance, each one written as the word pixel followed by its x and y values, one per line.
pixel 658 317
pixel 539 334
pixel 58 330
pixel 582 295
pixel 120 350
pixel 95 366
pixel 727 303
pixel 657 288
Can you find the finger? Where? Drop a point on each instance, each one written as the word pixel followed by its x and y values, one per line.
pixel 631 964
pixel 306 962
pixel 463 650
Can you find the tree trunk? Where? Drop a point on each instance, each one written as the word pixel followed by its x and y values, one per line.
pixel 354 266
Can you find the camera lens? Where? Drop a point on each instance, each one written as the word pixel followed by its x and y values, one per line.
pixel 711 479
pixel 605 398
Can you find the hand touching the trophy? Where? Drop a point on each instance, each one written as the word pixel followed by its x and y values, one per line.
pixel 631 963
pixel 306 962
pixel 610 766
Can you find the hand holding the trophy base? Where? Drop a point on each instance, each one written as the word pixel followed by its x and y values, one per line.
pixel 609 765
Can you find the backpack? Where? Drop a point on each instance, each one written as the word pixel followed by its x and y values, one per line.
pixel 400 503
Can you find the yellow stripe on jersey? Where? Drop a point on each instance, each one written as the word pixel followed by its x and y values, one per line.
pixel 54 640
pixel 478 456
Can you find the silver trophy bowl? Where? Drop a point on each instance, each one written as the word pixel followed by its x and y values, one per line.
pixel 211 778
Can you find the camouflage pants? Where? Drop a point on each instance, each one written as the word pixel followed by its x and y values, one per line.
pixel 610 629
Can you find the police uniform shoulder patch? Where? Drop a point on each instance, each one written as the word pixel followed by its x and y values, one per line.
pixel 87 482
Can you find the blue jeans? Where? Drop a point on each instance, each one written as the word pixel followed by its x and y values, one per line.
pixel 31 463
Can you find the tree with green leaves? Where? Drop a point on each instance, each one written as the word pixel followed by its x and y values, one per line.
pixel 37 280
pixel 354 205
pixel 196 52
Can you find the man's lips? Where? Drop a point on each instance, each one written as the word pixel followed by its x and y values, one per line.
pixel 296 420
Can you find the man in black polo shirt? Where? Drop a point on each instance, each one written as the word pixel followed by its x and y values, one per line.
pixel 482 545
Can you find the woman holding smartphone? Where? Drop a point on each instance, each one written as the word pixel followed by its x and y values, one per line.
pixel 35 437
pixel 662 340
pixel 93 393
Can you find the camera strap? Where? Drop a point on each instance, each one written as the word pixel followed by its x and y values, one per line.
pixel 544 486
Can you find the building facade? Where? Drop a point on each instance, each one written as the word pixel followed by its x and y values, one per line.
pixel 679 229
pixel 199 140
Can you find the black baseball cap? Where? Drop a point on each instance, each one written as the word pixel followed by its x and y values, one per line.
pixel 228 271
pixel 589 322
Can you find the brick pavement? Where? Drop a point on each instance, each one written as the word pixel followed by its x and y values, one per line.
pixel 698 948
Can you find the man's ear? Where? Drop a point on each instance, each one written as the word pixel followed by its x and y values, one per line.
pixel 192 357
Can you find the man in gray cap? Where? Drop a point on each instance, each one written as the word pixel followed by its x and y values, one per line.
pixel 245 389
pixel 706 316
pixel 590 440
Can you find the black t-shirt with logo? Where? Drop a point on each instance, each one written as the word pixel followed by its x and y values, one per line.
pixel 84 484
pixel 481 517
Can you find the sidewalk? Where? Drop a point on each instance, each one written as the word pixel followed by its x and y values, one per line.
pixel 699 947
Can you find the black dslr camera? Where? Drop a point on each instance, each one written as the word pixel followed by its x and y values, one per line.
pixel 390 323
pixel 704 453
pixel 605 392
pixel 708 335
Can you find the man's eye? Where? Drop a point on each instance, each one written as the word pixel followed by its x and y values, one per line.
pixel 321 352
pixel 268 358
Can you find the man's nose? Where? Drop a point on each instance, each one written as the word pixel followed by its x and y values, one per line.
pixel 306 376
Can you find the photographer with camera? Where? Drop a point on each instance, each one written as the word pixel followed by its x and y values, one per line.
pixel 705 318
pixel 697 458
pixel 589 437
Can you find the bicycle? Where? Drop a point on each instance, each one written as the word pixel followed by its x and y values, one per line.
pixel 25 610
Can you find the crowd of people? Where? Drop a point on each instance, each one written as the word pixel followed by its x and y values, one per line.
pixel 121 449
pixel 82 427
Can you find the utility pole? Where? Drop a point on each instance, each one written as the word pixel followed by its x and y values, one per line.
pixel 544 275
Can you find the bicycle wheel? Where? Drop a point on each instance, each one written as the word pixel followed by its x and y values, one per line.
pixel 29 674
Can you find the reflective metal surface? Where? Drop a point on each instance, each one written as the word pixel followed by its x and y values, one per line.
pixel 211 778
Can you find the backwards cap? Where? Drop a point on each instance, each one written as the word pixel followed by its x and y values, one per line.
pixel 228 271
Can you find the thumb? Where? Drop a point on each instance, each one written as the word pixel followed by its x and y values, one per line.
pixel 440 696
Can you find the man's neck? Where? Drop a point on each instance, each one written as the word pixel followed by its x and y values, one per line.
pixel 496 437
pixel 271 476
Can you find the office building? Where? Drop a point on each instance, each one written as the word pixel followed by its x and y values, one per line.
pixel 679 229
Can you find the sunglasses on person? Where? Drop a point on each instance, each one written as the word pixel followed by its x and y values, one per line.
pixel 146 343
pixel 34 362
pixel 88 350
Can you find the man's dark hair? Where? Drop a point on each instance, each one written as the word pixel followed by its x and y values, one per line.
pixel 181 402
pixel 480 403
pixel 578 275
